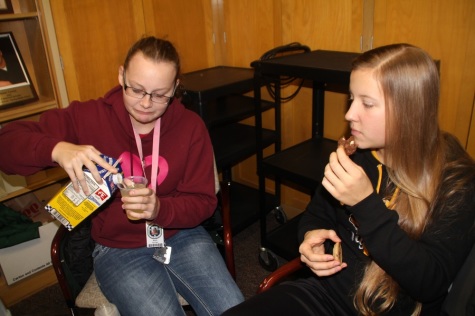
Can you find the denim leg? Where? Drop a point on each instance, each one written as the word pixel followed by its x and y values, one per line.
pixel 139 285
pixel 135 282
pixel 200 274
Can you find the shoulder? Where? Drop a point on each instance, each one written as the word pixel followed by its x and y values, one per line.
pixel 112 100
pixel 179 116
pixel 455 196
pixel 458 172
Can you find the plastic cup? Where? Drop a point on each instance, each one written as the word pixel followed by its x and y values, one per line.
pixel 130 183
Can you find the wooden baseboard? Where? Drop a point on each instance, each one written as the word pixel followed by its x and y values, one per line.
pixel 12 294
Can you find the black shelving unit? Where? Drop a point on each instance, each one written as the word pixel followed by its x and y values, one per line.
pixel 217 95
pixel 301 165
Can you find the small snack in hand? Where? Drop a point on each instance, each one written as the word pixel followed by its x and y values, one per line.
pixel 337 253
pixel 348 144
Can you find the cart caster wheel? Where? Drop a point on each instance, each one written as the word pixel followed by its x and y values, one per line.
pixel 280 215
pixel 268 260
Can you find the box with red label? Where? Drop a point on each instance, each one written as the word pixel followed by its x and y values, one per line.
pixel 71 207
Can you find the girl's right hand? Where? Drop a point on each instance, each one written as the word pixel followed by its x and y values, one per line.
pixel 312 252
pixel 73 158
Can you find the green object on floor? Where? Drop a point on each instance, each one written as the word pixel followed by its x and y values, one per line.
pixel 16 228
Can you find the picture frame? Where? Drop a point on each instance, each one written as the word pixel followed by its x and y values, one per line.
pixel 16 87
pixel 6 6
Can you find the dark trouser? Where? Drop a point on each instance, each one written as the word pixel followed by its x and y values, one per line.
pixel 302 297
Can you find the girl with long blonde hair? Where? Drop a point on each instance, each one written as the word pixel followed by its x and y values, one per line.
pixel 402 206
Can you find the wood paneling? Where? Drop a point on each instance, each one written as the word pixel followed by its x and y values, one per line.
pixel 319 24
pixel 93 38
pixel 249 30
pixel 446 30
pixel 188 25
pixel 471 134
pixel 326 25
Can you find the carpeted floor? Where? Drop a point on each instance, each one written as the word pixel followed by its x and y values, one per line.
pixel 249 274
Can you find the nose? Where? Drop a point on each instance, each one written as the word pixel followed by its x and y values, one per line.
pixel 350 115
pixel 146 102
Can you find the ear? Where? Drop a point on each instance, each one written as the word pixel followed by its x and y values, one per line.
pixel 121 75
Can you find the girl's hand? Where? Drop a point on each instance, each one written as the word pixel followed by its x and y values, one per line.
pixel 73 158
pixel 312 252
pixel 344 180
pixel 141 204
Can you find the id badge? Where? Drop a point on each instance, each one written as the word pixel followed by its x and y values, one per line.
pixel 163 254
pixel 154 234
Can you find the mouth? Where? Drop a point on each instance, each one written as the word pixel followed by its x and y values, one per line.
pixel 142 112
pixel 354 132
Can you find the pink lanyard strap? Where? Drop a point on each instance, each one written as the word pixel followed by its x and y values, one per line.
pixel 155 153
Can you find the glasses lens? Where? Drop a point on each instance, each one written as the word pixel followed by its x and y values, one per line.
pixel 136 93
pixel 154 97
pixel 158 98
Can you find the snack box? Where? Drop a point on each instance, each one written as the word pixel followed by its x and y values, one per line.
pixel 71 208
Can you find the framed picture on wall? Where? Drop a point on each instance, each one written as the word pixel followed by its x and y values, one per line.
pixel 16 87
pixel 6 6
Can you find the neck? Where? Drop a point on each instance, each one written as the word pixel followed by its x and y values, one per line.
pixel 141 128
pixel 379 155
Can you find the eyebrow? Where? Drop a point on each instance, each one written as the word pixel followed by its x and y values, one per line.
pixel 143 88
pixel 361 95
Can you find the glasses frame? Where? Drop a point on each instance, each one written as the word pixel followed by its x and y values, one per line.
pixel 151 94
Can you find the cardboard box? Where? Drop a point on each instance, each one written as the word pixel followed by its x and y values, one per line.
pixel 11 183
pixel 22 260
pixel 32 204
pixel 71 207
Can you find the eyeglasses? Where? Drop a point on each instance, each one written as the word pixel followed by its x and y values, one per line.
pixel 154 97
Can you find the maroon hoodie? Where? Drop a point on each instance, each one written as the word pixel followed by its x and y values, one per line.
pixel 186 191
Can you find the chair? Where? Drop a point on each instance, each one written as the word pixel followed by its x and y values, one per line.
pixel 74 267
pixel 286 271
pixel 460 300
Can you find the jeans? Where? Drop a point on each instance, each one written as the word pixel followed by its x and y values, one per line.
pixel 139 285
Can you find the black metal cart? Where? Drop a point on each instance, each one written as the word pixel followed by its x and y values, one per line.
pixel 302 164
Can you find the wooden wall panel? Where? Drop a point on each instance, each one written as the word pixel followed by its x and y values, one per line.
pixel 318 24
pixel 188 25
pixel 471 132
pixel 446 30
pixel 321 25
pixel 249 30
pixel 93 38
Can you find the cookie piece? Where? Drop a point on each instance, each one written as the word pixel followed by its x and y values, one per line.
pixel 337 253
pixel 348 144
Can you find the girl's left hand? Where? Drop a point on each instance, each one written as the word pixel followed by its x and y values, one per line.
pixel 141 204
pixel 344 180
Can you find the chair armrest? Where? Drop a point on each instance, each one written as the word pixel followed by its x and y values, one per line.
pixel 279 274
pixel 227 230
pixel 56 262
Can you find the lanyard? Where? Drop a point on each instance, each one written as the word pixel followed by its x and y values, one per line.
pixel 155 152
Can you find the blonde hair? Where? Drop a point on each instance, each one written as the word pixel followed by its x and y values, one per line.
pixel 409 80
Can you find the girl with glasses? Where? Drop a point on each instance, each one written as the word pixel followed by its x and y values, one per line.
pixel 142 122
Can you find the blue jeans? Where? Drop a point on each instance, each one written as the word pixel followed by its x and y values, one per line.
pixel 139 285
